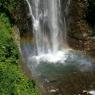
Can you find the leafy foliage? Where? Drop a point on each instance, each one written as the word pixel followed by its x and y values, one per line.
pixel 8 4
pixel 12 80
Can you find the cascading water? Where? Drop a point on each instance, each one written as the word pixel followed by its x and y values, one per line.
pixel 48 56
pixel 47 29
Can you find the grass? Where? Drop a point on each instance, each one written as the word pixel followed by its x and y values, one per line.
pixel 12 80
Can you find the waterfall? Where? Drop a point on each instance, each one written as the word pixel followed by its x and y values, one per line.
pixel 49 24
pixel 48 57
pixel 49 30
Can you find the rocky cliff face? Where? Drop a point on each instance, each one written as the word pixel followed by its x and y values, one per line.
pixel 80 33
pixel 22 19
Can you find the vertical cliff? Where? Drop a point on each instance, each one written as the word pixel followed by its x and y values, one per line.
pixel 80 32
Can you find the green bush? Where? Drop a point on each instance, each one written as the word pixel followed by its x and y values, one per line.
pixel 8 4
pixel 12 80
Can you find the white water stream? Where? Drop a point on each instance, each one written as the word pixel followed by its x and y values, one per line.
pixel 47 30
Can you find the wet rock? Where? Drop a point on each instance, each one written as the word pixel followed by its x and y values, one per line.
pixel 79 32
pixel 22 19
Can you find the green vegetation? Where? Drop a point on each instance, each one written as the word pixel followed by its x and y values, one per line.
pixel 12 80
pixel 8 4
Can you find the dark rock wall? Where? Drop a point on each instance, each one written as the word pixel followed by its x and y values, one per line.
pixel 22 19
pixel 80 33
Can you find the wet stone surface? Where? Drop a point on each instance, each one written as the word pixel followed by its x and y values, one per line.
pixel 72 83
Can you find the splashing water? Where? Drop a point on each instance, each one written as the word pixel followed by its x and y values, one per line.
pixel 59 56
pixel 92 92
